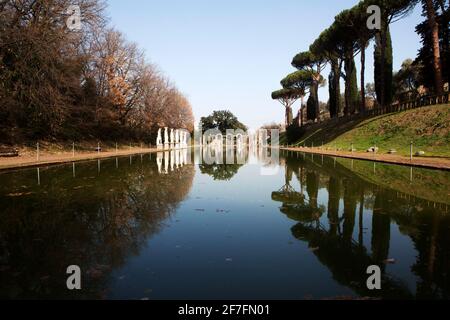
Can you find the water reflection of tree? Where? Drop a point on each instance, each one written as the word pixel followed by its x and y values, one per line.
pixel 223 172
pixel 428 230
pixel 381 230
pixel 338 247
pixel 334 195
pixel 294 204
pixel 347 261
pixel 230 162
pixel 95 221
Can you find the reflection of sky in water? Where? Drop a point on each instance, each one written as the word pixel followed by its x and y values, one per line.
pixel 245 251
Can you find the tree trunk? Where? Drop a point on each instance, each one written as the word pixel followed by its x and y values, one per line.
pixel 316 100
pixel 288 116
pixel 346 89
pixel 434 28
pixel 312 105
pixel 301 111
pixel 334 88
pixel 351 86
pixel 317 93
pixel 361 219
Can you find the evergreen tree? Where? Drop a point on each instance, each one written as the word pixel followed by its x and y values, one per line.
pixel 351 86
pixel 425 57
pixel 383 76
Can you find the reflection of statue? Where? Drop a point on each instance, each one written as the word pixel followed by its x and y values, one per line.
pixel 177 158
pixel 166 162
pixel 159 161
pixel 184 155
pixel 181 158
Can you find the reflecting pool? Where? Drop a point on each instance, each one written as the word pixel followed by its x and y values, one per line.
pixel 157 226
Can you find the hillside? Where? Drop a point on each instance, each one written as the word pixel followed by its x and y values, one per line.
pixel 427 127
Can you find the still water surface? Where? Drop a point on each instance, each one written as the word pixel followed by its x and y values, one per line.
pixel 224 231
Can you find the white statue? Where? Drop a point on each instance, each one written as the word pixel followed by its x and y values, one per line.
pixel 172 138
pixel 183 139
pixel 166 138
pixel 219 140
pixel 186 138
pixel 177 138
pixel 159 161
pixel 172 160
pixel 159 139
pixel 239 141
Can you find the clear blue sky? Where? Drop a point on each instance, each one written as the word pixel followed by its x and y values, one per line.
pixel 231 54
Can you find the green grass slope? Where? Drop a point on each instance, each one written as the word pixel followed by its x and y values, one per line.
pixel 422 183
pixel 427 127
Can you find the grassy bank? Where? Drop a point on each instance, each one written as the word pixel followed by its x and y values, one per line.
pixel 428 128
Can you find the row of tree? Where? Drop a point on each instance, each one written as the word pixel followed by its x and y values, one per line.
pixel 349 36
pixel 64 83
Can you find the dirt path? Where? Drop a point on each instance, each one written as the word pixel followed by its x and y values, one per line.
pixel 28 160
pixel 433 163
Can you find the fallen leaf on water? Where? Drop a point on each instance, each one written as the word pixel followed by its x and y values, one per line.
pixel 390 261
